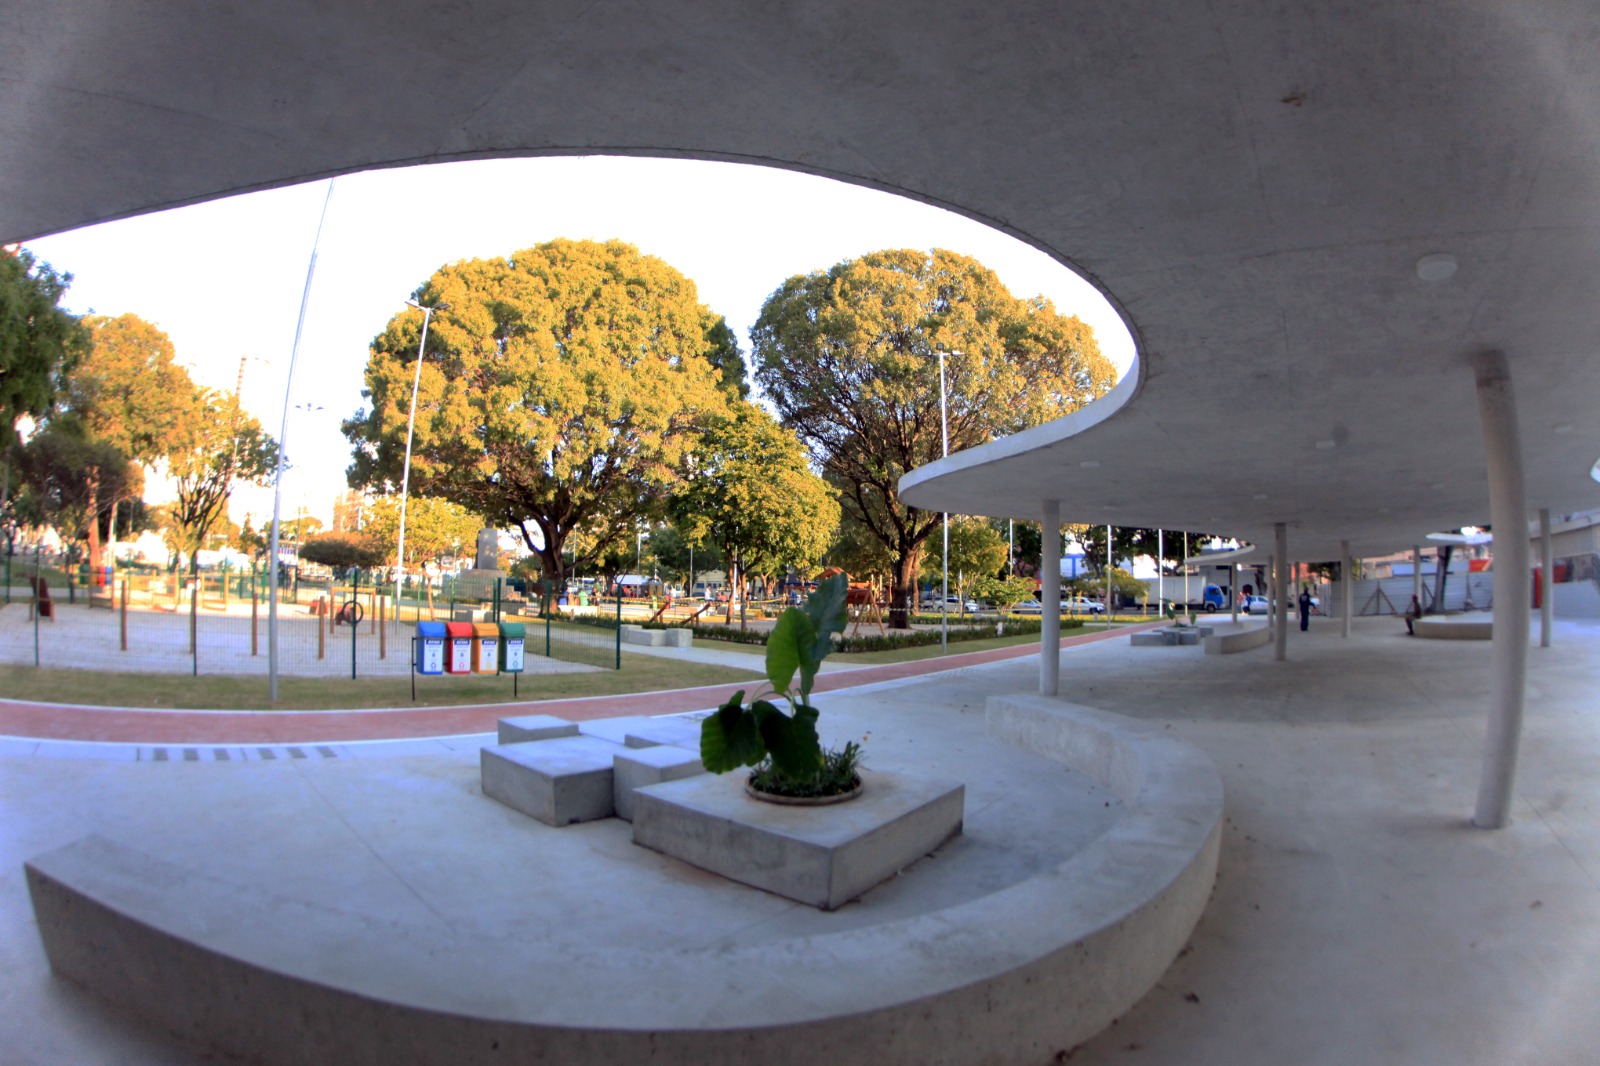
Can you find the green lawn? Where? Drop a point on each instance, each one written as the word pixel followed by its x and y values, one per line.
pixel 926 651
pixel 639 673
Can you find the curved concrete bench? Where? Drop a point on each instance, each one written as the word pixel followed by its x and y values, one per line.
pixel 1021 975
pixel 1230 640
pixel 1448 629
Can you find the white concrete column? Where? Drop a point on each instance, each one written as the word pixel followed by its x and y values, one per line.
pixel 1346 584
pixel 1050 601
pixel 1547 567
pixel 1416 573
pixel 1280 589
pixel 1233 590
pixel 1508 512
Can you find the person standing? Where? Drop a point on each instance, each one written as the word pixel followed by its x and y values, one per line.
pixel 1305 607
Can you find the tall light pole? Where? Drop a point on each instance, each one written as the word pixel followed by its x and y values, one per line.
pixel 944 599
pixel 283 443
pixel 405 476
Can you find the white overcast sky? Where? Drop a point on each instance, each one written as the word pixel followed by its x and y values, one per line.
pixel 224 279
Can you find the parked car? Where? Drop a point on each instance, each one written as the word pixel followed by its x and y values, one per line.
pixel 1257 605
pixel 954 603
pixel 1080 605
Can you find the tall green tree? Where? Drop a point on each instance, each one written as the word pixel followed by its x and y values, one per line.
pixel 62 469
pixel 128 392
pixel 562 390
pixel 976 550
pixel 849 358
pixel 221 445
pixel 722 351
pixel 436 530
pixel 753 494
pixel 40 342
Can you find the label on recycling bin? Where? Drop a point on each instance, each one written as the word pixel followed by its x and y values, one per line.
pixel 432 655
pixel 513 655
pixel 460 655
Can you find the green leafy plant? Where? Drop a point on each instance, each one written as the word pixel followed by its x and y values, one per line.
pixel 739 735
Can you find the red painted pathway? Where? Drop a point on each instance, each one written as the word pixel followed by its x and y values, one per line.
pixel 56 721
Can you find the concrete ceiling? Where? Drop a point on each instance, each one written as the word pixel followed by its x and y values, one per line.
pixel 1250 183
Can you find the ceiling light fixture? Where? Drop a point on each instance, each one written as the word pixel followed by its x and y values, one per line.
pixel 1259 496
pixel 1564 427
pixel 1089 464
pixel 1325 445
pixel 1436 267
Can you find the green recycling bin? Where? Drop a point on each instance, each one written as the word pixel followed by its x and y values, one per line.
pixel 512 636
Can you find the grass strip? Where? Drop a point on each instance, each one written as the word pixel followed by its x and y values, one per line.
pixel 639 673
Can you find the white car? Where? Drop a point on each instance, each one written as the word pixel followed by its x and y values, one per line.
pixel 1077 606
pixel 1257 605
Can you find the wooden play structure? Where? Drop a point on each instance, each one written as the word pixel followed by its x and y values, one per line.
pixel 862 600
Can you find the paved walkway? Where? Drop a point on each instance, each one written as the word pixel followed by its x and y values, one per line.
pixel 130 725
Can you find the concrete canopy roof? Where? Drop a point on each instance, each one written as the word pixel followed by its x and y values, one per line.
pixel 1252 185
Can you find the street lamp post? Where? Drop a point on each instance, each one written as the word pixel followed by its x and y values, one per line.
pixel 405 476
pixel 283 443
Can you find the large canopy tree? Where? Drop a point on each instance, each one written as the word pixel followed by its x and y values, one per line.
pixel 561 390
pixel 128 392
pixel 849 358
pixel 40 342
pixel 753 494
pixel 62 469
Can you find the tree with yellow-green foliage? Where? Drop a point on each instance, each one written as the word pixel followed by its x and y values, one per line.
pixel 562 389
pixel 752 493
pixel 436 530
pixel 849 358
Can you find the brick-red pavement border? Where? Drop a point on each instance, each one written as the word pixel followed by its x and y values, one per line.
pixel 133 725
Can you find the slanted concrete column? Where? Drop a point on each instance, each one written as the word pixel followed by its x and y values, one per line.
pixel 1280 589
pixel 1346 583
pixel 1547 567
pixel 1508 512
pixel 1416 573
pixel 1050 601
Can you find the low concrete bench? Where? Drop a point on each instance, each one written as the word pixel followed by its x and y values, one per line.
pixel 530 727
pixel 1231 641
pixel 559 781
pixel 677 732
pixel 641 767
pixel 649 638
pixel 1165 638
pixel 1450 629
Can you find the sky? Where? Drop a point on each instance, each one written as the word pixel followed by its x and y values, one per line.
pixel 224 279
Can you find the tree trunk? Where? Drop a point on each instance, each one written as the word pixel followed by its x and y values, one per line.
pixel 903 599
pixel 93 483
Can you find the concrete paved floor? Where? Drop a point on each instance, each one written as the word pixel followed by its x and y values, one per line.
pixel 1356 917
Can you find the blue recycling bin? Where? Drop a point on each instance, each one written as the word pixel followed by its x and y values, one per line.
pixel 430 647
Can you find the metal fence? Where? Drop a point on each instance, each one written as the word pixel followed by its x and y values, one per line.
pixel 217 623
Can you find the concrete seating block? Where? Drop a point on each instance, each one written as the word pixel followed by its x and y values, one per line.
pixel 678 638
pixel 677 732
pixel 649 766
pixel 1451 629
pixel 1150 638
pixel 822 856
pixel 1233 641
pixel 649 638
pixel 535 727
pixel 556 781
pixel 1187 637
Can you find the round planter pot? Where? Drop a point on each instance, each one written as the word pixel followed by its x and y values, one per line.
pixel 803 801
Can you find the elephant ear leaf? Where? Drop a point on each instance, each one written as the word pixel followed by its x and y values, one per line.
pixel 729 738
pixel 787 646
pixel 825 609
pixel 792 741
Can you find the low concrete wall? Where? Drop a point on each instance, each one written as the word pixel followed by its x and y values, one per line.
pixel 1021 975
pixel 1229 640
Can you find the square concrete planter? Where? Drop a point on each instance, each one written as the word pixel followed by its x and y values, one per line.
pixel 556 781
pixel 823 856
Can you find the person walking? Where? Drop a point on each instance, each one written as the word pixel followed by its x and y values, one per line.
pixel 1305 607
